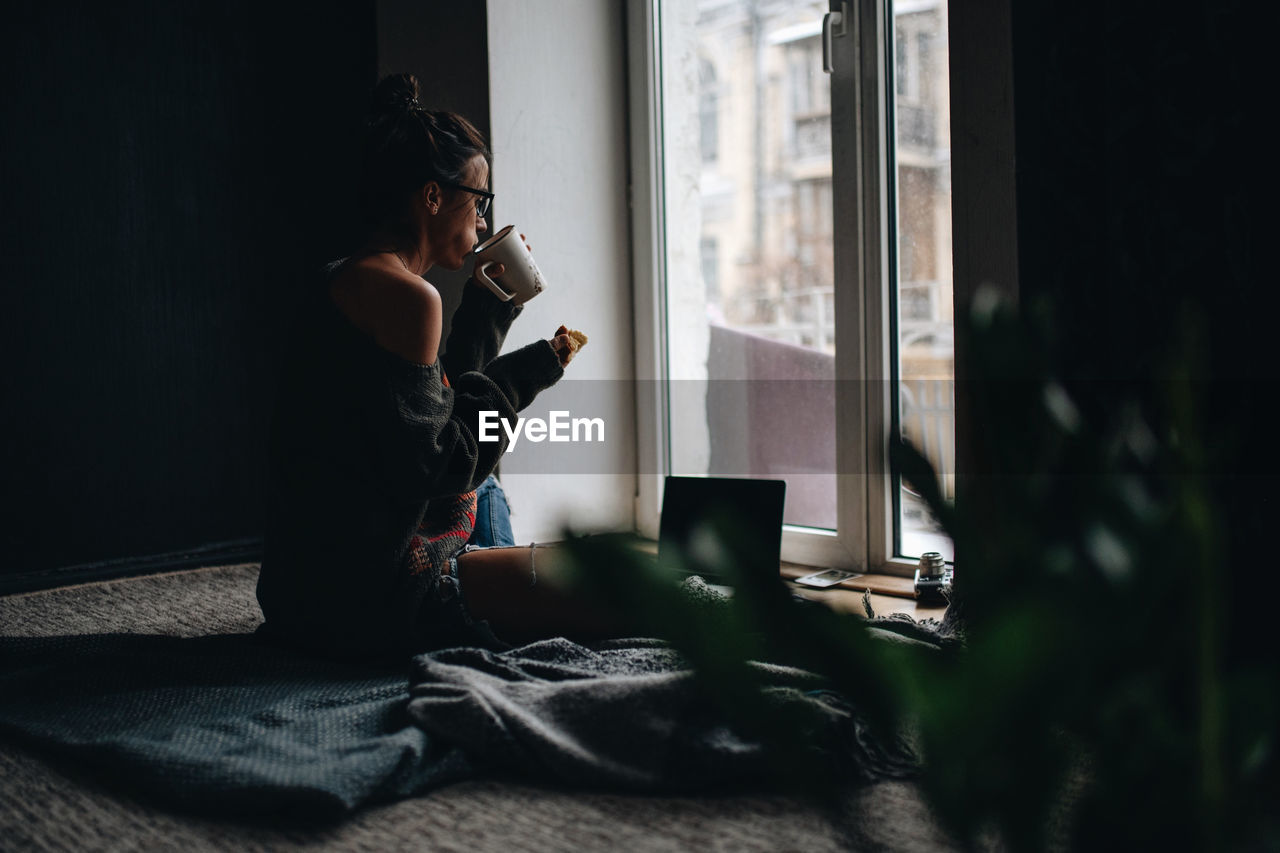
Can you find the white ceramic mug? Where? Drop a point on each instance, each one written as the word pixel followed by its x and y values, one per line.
pixel 521 275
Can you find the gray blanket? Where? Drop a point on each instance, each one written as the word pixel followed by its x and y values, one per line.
pixel 626 714
pixel 225 724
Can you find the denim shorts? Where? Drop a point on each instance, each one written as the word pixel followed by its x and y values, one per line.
pixel 493 516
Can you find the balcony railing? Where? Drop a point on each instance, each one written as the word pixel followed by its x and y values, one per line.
pixel 755 428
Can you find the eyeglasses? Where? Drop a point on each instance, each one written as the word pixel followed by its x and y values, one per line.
pixel 482 203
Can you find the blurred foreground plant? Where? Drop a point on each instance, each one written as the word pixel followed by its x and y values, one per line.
pixel 1093 702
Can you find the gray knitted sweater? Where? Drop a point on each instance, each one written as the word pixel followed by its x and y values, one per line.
pixel 361 441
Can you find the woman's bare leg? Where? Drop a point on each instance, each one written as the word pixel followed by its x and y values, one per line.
pixel 523 592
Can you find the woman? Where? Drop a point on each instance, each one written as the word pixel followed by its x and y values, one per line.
pixel 374 455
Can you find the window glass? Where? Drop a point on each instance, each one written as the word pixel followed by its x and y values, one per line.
pixel 924 351
pixel 747 197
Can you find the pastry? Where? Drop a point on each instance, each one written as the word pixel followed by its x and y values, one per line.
pixel 576 340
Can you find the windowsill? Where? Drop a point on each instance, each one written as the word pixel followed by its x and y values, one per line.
pixel 889 593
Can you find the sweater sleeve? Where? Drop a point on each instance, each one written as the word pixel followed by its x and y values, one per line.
pixel 477 331
pixel 431 446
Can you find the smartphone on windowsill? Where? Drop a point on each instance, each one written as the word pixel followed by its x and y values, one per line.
pixel 827 578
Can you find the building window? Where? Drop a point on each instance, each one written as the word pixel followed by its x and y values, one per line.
pixel 709 252
pixel 708 104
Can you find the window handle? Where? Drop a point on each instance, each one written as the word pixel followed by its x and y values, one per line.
pixel 832 25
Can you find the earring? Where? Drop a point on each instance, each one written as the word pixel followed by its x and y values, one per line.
pixel 435 208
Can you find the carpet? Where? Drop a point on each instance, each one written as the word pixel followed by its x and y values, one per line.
pixel 50 803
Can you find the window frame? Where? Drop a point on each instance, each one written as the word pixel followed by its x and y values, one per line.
pixel 864 539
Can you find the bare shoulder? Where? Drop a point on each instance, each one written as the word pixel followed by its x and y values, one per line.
pixel 401 311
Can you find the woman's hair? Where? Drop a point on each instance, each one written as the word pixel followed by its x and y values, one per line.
pixel 407 145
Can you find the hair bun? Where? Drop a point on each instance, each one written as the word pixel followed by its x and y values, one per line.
pixel 406 145
pixel 395 93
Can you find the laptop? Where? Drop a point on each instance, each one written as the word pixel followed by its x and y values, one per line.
pixel 708 521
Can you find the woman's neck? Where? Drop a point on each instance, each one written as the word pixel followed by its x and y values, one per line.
pixel 414 256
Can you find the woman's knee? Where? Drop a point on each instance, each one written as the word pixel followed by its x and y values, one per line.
pixel 506 567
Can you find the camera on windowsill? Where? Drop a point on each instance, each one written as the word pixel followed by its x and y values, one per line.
pixel 933 580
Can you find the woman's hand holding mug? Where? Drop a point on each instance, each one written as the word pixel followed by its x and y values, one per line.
pixel 502 252
pixel 498 269
pixel 503 255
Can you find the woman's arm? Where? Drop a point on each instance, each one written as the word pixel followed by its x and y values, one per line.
pixel 429 442
pixel 478 329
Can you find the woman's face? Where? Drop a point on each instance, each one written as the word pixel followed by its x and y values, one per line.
pixel 456 229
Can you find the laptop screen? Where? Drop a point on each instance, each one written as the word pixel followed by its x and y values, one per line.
pixel 701 515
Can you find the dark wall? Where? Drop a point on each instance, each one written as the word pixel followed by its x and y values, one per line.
pixel 1138 192
pixel 168 170
pixel 1143 219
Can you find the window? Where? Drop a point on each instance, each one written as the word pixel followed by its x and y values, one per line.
pixel 821 241
pixel 708 111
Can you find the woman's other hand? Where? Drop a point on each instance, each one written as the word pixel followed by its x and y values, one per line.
pixel 566 343
pixel 560 343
